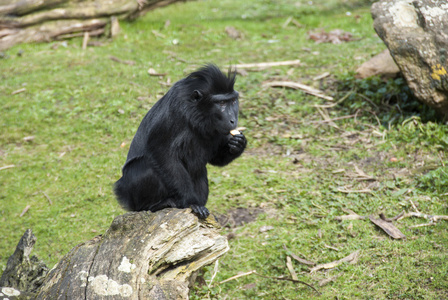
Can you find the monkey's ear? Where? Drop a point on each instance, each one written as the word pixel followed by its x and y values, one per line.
pixel 196 95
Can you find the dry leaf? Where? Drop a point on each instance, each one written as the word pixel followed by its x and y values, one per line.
pixel 29 138
pixel 336 36
pixel 249 286
pixel 234 33
pixel 266 228
pixel 327 280
pixel 388 227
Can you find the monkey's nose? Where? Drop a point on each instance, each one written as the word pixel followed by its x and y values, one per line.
pixel 232 122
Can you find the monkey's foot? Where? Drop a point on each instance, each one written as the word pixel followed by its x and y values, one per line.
pixel 201 211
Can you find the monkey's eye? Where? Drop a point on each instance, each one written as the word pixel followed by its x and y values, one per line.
pixel 233 101
pixel 222 103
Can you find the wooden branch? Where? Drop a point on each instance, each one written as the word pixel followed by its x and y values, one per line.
pixel 50 31
pixel 291 268
pixel 21 7
pixel 299 86
pixel 73 11
pixel 353 257
pixel 433 218
pixel 264 65
pixel 25 21
pixel 7 167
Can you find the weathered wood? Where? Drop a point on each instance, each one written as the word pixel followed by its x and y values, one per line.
pixel 27 21
pixel 23 273
pixel 142 255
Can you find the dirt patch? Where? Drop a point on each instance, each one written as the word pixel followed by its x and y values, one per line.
pixel 238 216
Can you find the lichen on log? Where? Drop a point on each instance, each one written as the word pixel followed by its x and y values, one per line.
pixel 23 273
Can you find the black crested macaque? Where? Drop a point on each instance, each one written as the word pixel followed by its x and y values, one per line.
pixel 186 129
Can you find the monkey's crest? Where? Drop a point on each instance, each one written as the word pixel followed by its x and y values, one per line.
pixel 213 79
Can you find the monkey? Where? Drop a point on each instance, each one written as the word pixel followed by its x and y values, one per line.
pixel 185 130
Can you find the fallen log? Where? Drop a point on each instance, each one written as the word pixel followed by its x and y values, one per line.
pixel 24 21
pixel 142 255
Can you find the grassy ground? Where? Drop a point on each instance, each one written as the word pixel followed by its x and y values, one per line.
pixel 386 154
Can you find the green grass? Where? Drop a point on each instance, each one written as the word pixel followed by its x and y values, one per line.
pixel 80 107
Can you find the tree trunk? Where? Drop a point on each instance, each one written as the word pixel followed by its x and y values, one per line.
pixel 142 255
pixel 23 21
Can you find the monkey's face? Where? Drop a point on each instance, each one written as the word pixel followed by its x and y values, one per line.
pixel 225 112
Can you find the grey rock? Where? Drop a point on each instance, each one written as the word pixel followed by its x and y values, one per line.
pixel 416 33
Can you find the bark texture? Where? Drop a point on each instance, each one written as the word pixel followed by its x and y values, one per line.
pixel 416 33
pixel 142 255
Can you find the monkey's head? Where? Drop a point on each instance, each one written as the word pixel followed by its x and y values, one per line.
pixel 213 101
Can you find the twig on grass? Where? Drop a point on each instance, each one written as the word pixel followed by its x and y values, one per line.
pixel 85 40
pixel 334 119
pixel 238 276
pixel 432 218
pixel 322 76
pixel 48 198
pixel 413 206
pixel 25 210
pixel 269 277
pixel 18 91
pixel 324 113
pixel 288 279
pixel 422 225
pixel 331 247
pixel 349 217
pixel 7 167
pixel 299 86
pixel 439 154
pixel 127 62
pixel 291 268
pixel 335 103
pixel 344 190
pixel 215 271
pixel 297 258
pixel 352 258
pixel 267 64
pixel 383 217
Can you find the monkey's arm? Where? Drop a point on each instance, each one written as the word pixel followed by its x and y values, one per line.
pixel 230 150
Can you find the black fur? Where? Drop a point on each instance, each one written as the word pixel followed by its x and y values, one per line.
pixel 186 129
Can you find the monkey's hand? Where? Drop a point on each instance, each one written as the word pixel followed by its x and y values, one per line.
pixel 237 143
pixel 199 210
